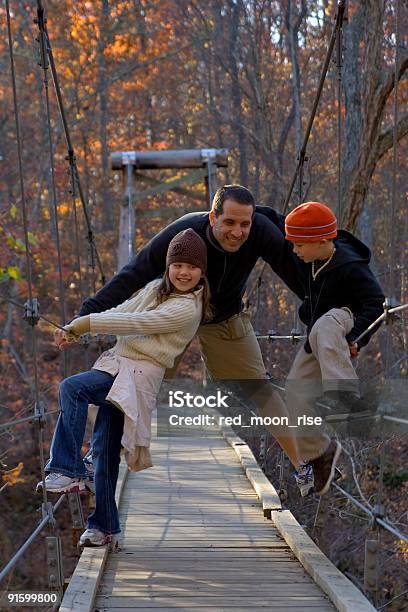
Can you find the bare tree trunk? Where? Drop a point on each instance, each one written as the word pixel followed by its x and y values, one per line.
pixel 367 86
pixel 263 133
pixel 293 22
pixel 103 119
pixel 236 100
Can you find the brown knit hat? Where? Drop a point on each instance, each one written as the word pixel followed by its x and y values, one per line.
pixel 187 247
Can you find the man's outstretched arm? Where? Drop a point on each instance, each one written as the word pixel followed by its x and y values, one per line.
pixel 277 251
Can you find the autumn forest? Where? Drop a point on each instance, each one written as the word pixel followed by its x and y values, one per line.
pixel 241 75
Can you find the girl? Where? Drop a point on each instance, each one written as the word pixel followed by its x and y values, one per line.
pixel 153 328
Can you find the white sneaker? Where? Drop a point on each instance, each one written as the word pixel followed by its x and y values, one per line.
pixel 305 479
pixel 58 483
pixel 94 537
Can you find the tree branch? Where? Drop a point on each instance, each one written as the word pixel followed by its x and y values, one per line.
pixel 388 85
pixel 385 140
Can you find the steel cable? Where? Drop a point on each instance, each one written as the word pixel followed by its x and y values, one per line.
pixel 37 409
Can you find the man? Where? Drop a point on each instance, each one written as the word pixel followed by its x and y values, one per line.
pixel 236 235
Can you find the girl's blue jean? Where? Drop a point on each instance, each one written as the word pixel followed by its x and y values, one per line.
pixel 75 393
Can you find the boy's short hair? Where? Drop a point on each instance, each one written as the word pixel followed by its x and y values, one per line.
pixel 311 222
pixel 238 193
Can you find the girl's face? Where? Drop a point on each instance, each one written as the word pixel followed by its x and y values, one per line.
pixel 184 276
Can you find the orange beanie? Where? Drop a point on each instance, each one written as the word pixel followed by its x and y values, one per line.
pixel 310 222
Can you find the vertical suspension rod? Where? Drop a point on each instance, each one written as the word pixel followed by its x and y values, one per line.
pixel 302 154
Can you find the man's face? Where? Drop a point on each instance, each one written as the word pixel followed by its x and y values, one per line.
pixel 231 228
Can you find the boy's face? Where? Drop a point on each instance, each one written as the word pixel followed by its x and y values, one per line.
pixel 310 251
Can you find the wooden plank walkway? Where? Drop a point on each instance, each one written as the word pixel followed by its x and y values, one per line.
pixel 194 537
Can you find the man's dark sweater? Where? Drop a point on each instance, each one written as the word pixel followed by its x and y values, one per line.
pixel 227 272
pixel 352 285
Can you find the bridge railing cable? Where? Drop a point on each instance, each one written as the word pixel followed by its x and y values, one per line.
pixel 49 515
pixel 31 318
pixel 31 307
pixel 75 177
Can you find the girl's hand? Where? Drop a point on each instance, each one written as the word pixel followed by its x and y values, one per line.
pixel 78 327
pixel 60 339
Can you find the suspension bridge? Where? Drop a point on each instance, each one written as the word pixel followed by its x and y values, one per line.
pixel 204 529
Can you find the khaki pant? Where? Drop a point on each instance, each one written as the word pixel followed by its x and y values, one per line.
pixel 328 367
pixel 231 353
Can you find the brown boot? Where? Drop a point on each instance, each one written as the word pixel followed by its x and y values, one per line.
pixel 324 467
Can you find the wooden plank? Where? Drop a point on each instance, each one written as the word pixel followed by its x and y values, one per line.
pixel 221 537
pixel 234 608
pixel 161 473
pixel 132 541
pixel 183 442
pixel 136 546
pixel 250 516
pixel 139 510
pixel 222 534
pixel 197 497
pixel 292 602
pixel 203 569
pixel 157 474
pixel 342 592
pixel 129 581
pixel 183 520
pixel 186 589
pixel 212 556
pixel 217 484
pixel 195 530
pixel 183 489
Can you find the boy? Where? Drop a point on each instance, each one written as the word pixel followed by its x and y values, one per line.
pixel 340 299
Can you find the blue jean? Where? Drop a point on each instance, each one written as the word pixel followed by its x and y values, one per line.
pixel 75 393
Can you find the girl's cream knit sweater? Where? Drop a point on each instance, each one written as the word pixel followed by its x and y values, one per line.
pixel 158 333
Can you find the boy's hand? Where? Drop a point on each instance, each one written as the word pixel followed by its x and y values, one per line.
pixel 353 349
pixel 78 327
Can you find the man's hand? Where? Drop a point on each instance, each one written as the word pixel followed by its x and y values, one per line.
pixel 78 327
pixel 353 346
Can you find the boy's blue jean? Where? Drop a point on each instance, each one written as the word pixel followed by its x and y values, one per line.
pixel 75 393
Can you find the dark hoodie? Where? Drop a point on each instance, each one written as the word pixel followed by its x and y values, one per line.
pixel 346 281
